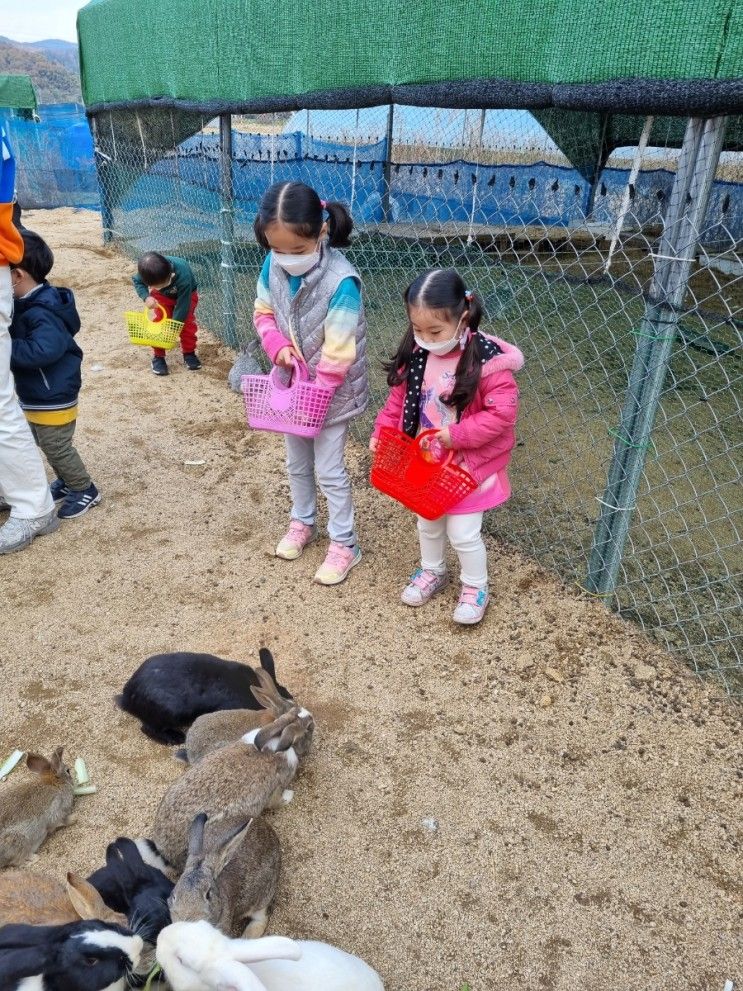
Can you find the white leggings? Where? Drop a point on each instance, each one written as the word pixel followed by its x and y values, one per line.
pixel 465 537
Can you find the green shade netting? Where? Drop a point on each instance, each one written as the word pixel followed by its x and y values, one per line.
pixel 17 93
pixel 245 51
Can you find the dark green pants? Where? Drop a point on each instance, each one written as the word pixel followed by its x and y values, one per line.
pixel 56 443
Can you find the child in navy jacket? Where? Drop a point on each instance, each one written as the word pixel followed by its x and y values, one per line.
pixel 45 361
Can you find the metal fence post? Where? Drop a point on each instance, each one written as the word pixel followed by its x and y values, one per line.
pixel 102 164
pixel 682 228
pixel 387 168
pixel 227 231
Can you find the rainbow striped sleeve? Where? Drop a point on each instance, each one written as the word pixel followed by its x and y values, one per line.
pixel 263 317
pixel 339 348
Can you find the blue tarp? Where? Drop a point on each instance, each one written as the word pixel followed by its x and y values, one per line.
pixel 55 158
pixel 432 193
pixel 56 168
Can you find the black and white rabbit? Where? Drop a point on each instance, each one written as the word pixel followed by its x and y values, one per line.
pixel 136 889
pixel 80 956
pixel 168 691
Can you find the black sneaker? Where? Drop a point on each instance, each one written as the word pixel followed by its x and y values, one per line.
pixel 59 490
pixel 159 367
pixel 191 362
pixel 78 503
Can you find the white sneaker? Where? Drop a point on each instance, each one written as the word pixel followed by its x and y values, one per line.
pixel 422 586
pixel 17 534
pixel 471 606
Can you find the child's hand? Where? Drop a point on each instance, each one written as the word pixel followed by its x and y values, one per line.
pixel 285 356
pixel 444 438
pixel 151 303
pixel 373 443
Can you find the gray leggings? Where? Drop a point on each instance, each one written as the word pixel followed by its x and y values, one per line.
pixel 323 456
pixel 56 443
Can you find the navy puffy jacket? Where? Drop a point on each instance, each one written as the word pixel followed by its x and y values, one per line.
pixel 45 360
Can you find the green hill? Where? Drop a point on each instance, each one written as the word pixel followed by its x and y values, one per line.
pixel 54 82
pixel 64 52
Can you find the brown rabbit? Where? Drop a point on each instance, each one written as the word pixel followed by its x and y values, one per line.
pixel 231 785
pixel 33 900
pixel 215 730
pixel 231 883
pixel 33 808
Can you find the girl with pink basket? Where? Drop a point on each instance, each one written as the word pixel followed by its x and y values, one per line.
pixel 450 377
pixel 309 309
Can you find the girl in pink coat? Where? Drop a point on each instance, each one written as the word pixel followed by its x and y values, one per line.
pixel 449 376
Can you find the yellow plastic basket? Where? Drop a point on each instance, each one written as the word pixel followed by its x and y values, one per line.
pixel 149 333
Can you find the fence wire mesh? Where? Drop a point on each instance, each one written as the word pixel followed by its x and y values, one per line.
pixel 567 255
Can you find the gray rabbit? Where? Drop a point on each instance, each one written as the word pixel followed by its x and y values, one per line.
pixel 34 807
pixel 215 730
pixel 232 883
pixel 231 785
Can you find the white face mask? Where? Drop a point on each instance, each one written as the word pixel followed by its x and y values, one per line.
pixel 439 347
pixel 297 264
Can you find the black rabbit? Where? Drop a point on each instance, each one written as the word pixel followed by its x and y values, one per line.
pixel 136 889
pixel 81 956
pixel 168 691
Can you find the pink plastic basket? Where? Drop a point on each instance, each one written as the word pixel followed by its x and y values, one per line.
pixel 299 408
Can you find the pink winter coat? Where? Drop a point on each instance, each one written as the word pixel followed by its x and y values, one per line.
pixel 485 434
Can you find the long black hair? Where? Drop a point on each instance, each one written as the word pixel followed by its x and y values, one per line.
pixel 300 207
pixel 443 290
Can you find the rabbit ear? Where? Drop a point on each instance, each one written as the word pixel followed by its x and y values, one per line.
pixel 267 663
pixel 113 853
pixel 270 689
pixel 227 975
pixel 264 948
pixel 196 835
pixel 265 701
pixel 86 901
pixel 274 729
pixel 229 844
pixel 290 734
pixel 127 849
pixel 276 705
pixel 38 764
pixel 56 760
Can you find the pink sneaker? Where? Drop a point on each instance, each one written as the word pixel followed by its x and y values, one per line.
pixel 422 586
pixel 471 606
pixel 295 540
pixel 338 562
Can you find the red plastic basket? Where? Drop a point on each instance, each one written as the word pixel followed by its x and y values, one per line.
pixel 408 472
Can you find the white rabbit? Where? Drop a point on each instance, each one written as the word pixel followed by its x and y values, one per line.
pixel 196 957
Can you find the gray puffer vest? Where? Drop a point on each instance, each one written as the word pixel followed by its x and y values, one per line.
pixel 303 318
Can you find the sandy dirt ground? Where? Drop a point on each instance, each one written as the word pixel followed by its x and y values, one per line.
pixel 547 801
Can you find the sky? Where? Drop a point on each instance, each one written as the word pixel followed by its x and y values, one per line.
pixel 37 20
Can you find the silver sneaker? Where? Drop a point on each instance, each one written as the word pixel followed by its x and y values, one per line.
pixel 471 606
pixel 16 534
pixel 422 586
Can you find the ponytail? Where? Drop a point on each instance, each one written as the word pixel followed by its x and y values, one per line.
pixel 299 206
pixel 340 225
pixel 397 369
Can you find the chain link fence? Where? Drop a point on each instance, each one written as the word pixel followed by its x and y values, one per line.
pixel 620 279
